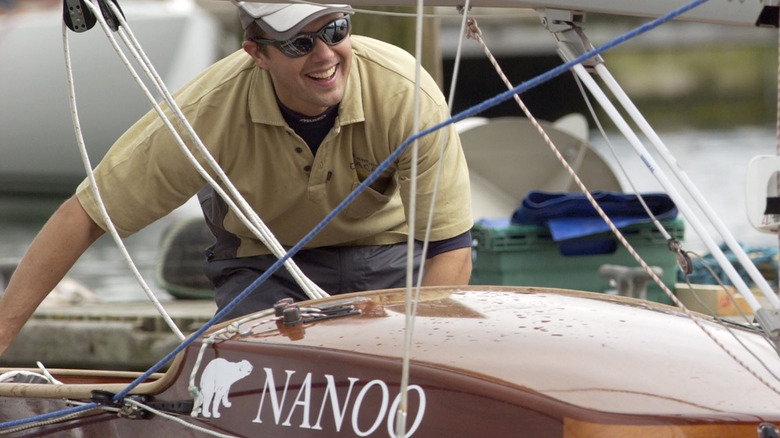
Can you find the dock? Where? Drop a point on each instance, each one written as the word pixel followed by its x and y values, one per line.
pixel 128 336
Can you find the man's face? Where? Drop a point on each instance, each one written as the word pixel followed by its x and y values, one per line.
pixel 311 83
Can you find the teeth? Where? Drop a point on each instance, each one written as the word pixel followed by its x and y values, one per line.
pixel 326 74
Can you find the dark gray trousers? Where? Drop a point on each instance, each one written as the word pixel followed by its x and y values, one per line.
pixel 336 270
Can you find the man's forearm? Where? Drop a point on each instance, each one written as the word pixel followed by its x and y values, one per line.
pixel 448 268
pixel 67 234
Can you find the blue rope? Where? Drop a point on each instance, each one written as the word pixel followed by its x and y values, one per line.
pixel 525 86
pixel 49 416
pixel 395 154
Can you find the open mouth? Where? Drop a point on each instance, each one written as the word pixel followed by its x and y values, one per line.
pixel 324 74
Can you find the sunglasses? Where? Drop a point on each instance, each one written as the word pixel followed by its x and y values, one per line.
pixel 303 43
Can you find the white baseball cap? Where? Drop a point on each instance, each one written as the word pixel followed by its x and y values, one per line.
pixel 282 21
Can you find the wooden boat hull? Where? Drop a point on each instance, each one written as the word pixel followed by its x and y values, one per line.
pixel 485 361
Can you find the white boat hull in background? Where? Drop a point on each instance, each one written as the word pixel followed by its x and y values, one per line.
pixel 507 158
pixel 38 148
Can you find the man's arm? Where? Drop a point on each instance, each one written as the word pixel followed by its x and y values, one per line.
pixel 448 268
pixel 67 234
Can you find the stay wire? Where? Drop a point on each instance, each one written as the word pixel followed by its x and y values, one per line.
pixel 489 103
pixel 411 219
pixel 623 171
pixel 668 237
pixel 412 312
pixel 477 34
pixel 679 304
pixel 579 69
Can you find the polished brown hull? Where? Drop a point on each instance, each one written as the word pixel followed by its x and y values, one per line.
pixel 485 361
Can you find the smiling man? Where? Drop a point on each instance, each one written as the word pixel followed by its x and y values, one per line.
pixel 297 119
pixel 306 80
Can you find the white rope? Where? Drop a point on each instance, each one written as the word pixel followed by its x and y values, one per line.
pixel 614 229
pixel 253 223
pixel 730 295
pixel 251 220
pixel 93 184
pixel 211 339
pixel 176 419
pixel 47 374
pixel 411 311
pixel 581 72
pixel 401 413
pixel 623 171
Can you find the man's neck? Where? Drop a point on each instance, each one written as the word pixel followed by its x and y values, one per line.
pixel 312 129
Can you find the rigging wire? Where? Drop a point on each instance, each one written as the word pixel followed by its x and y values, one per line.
pixel 589 80
pixel 684 257
pixel 243 211
pixel 450 103
pixel 413 301
pixel 88 167
pixel 710 214
pixel 728 329
pixel 411 215
pixel 619 163
pixel 372 177
pixel 544 77
pixel 475 32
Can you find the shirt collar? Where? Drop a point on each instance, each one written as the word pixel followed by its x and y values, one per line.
pixel 351 107
pixel 262 100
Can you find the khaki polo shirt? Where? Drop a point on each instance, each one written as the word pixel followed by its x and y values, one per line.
pixel 232 107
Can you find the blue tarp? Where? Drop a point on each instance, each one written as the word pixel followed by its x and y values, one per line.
pixel 570 215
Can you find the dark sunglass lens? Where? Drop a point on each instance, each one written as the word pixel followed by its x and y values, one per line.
pixel 333 33
pixel 298 46
pixel 304 44
pixel 336 31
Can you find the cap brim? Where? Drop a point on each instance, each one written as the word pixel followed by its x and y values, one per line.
pixel 284 21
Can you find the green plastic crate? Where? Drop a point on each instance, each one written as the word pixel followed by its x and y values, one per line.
pixel 526 255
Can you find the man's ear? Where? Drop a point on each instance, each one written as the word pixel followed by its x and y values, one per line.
pixel 251 48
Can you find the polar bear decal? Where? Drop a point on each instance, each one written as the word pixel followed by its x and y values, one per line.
pixel 215 382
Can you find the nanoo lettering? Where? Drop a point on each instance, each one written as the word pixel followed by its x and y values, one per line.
pixel 345 404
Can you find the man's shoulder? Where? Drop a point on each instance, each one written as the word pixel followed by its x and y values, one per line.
pixel 232 68
pixel 375 52
pixel 387 62
pixel 371 47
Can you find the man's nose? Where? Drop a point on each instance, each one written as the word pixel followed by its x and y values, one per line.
pixel 321 50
